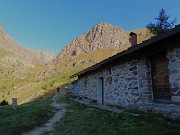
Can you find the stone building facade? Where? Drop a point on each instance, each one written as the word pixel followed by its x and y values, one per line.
pixel 174 73
pixel 129 80
pixel 128 83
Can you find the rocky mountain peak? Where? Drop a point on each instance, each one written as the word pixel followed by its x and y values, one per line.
pixel 103 25
pixel 102 35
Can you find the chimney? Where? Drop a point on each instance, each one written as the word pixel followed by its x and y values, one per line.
pixel 133 38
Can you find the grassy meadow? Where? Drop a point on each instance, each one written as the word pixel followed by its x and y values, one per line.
pixel 84 120
pixel 33 87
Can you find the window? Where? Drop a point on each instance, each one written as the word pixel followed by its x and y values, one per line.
pixel 108 71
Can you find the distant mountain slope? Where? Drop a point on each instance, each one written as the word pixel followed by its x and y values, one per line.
pixel 103 41
pixel 22 71
pixel 27 73
pixel 101 36
pixel 34 56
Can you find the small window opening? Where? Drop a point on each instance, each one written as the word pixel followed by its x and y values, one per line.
pixel 108 71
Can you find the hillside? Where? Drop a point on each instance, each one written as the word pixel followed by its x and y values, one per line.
pixel 102 35
pixel 102 41
pixel 22 70
pixel 30 55
pixel 27 74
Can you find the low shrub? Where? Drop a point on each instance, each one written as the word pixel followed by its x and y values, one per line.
pixel 4 102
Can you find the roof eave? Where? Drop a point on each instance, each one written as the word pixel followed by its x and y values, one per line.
pixel 130 50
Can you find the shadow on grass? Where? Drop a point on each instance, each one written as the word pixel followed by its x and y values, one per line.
pixel 28 115
pixel 84 120
pixel 49 93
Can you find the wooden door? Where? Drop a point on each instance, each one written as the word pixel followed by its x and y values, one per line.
pixel 100 91
pixel 160 77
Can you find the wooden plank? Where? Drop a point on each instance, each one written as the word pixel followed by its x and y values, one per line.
pixel 160 81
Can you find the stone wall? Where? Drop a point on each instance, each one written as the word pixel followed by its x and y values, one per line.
pixel 129 83
pixel 88 86
pixel 123 89
pixel 174 73
pixel 144 78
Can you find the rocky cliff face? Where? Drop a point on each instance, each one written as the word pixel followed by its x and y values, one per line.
pixel 102 35
pixel 34 56
pixel 41 56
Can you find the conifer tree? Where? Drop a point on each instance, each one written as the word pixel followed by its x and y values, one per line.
pixel 163 24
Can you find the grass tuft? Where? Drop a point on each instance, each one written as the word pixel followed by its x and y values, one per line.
pixel 84 120
pixel 26 117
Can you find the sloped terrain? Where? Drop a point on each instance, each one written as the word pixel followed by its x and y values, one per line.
pixel 21 69
pixel 27 74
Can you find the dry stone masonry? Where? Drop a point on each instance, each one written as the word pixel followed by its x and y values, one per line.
pixel 130 81
pixel 174 73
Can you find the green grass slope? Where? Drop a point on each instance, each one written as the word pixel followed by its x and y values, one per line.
pixel 26 117
pixel 26 81
pixel 83 120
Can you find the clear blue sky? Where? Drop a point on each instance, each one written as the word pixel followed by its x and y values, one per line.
pixel 51 24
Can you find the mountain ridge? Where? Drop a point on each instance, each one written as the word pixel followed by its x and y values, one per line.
pixel 27 73
pixel 102 35
pixel 31 55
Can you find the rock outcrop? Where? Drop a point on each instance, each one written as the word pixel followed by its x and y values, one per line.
pixel 42 56
pixel 102 35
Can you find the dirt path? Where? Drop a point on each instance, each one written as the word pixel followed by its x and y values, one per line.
pixel 49 125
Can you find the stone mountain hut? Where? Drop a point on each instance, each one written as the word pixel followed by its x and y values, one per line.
pixel 146 72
